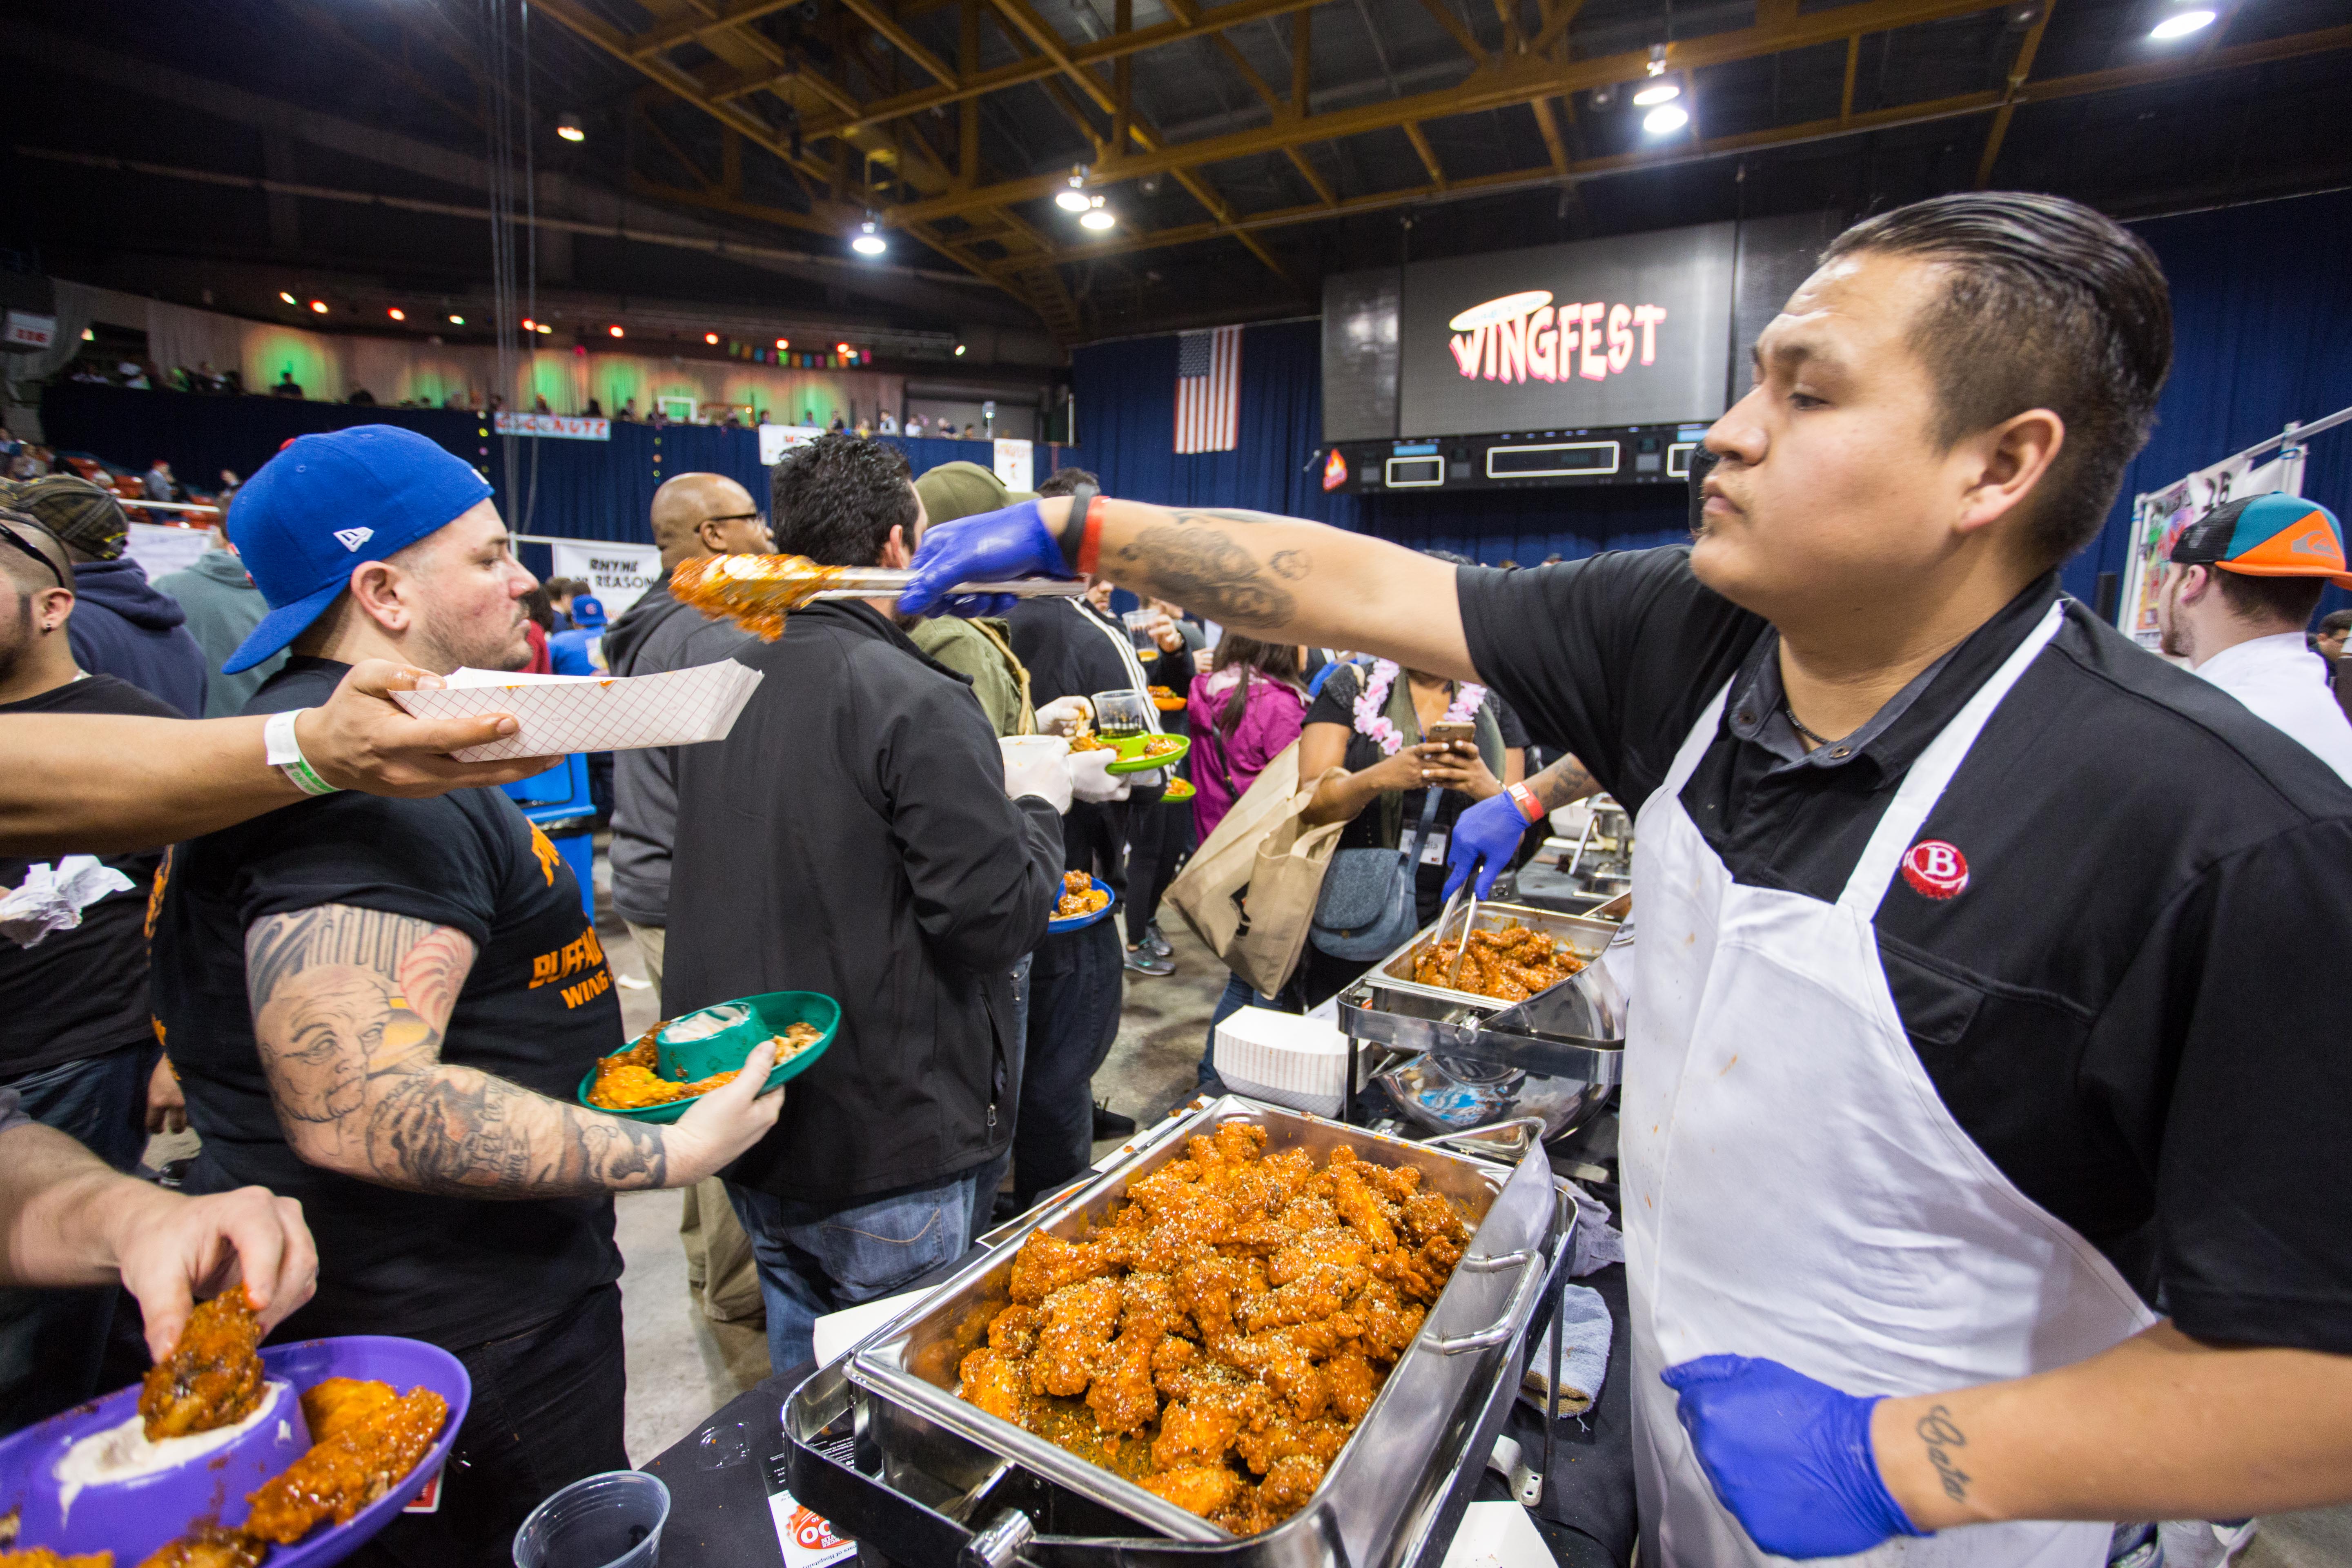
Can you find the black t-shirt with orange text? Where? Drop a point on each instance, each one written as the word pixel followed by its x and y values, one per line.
pixel 537 1009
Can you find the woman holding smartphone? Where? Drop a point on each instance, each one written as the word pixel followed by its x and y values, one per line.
pixel 1400 733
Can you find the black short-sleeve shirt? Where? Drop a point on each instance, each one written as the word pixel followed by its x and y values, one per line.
pixel 79 993
pixel 1336 704
pixel 537 1009
pixel 2134 1004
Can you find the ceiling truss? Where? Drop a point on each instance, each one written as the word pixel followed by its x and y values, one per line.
pixel 842 122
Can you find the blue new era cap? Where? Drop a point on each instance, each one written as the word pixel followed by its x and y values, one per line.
pixel 326 502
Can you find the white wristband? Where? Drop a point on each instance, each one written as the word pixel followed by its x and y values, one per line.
pixel 285 753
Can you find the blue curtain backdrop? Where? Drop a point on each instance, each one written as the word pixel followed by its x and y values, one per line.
pixel 2262 333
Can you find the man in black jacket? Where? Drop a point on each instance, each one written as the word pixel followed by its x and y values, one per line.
pixel 852 836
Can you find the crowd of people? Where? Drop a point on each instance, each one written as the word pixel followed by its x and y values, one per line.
pixel 1999 941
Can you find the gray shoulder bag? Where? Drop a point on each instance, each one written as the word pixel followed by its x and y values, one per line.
pixel 1367 907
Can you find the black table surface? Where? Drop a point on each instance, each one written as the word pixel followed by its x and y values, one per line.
pixel 720 1474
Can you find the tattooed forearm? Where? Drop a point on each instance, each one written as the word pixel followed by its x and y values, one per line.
pixel 1566 780
pixel 1942 1434
pixel 457 1130
pixel 1199 562
pixel 350 1006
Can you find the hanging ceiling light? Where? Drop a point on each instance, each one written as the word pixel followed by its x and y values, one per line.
pixel 1665 118
pixel 1657 92
pixel 1097 219
pixel 869 240
pixel 2181 23
pixel 1074 200
pixel 568 127
pixel 1658 59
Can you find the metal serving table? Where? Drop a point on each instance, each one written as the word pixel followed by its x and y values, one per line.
pixel 1558 1057
pixel 879 1444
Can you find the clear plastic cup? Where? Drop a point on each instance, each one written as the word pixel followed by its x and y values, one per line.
pixel 611 1520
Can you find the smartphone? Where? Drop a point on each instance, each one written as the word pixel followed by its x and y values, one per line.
pixel 1454 733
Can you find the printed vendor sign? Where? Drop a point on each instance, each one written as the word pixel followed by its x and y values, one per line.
pixel 565 426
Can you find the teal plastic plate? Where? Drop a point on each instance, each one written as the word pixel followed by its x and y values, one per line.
pixel 686 1060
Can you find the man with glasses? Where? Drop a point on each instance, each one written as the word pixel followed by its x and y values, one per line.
pixel 75 1042
pixel 693 515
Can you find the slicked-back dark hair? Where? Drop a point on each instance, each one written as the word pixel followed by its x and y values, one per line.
pixel 1065 482
pixel 836 500
pixel 2046 304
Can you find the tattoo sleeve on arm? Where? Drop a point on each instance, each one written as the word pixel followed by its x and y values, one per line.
pixel 1205 567
pixel 1565 781
pixel 350 1006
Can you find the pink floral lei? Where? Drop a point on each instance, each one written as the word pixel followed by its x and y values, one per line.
pixel 1373 719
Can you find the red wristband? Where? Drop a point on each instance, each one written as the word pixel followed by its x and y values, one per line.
pixel 1530 806
pixel 1090 540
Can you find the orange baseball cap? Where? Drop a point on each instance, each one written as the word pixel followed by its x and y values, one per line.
pixel 2274 535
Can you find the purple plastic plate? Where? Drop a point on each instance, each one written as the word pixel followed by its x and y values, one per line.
pixel 133 1518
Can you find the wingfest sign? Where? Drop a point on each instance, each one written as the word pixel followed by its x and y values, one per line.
pixel 1630 330
pixel 1524 337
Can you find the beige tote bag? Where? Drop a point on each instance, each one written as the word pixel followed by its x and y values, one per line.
pixel 1249 891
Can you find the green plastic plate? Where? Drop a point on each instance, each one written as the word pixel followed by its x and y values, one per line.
pixel 1139 763
pixel 771 1014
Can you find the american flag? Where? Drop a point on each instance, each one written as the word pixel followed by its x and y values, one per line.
pixel 1208 389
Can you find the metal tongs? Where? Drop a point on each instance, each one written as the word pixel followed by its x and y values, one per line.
pixel 1454 980
pixel 885 583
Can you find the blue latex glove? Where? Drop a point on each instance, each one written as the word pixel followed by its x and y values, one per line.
pixel 989 546
pixel 1490 832
pixel 1790 1457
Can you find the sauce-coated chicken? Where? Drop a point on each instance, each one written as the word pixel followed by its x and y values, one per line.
pixel 213 1376
pixel 1219 1339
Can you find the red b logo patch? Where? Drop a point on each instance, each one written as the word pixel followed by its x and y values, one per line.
pixel 1935 870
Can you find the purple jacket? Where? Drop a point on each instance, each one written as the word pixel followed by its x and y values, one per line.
pixel 1222 769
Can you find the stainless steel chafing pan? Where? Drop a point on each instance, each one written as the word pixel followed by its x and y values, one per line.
pixel 1477 1058
pixel 1379 1496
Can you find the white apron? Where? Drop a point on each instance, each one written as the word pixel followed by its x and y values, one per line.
pixel 1793 1186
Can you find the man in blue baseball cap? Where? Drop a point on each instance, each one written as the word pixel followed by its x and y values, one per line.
pixel 387 1004
pixel 2238 589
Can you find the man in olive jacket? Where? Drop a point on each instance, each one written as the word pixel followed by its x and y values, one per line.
pixel 852 836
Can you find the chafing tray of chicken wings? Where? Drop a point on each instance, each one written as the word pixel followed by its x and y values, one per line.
pixel 1496 1046
pixel 949 1465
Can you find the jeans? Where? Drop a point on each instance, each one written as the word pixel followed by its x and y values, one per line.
pixel 817 1258
pixel 546 1412
pixel 51 1341
pixel 991 1176
pixel 1074 989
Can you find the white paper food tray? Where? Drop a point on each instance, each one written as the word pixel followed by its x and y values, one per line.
pixel 1279 1056
pixel 561 713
